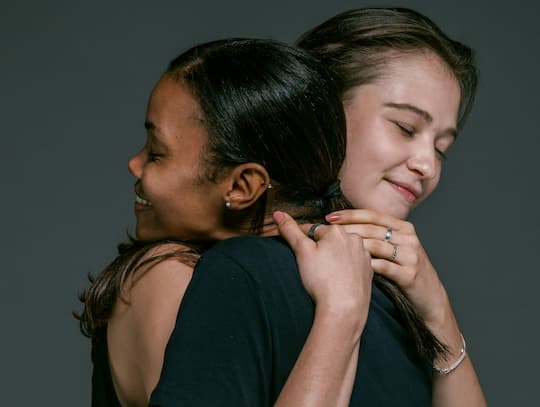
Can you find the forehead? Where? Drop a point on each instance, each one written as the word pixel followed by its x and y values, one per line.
pixel 172 108
pixel 420 79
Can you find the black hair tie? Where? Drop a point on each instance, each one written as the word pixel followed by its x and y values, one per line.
pixel 333 190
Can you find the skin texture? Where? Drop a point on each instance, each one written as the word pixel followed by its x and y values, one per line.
pixel 397 128
pixel 140 327
pixel 177 198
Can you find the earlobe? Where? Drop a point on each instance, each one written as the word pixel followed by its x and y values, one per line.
pixel 248 183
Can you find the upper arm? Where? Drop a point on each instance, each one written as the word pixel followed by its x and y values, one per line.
pixel 219 352
pixel 141 326
pixel 155 299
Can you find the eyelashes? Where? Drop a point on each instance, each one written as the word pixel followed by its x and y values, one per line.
pixel 409 132
pixel 441 154
pixel 152 156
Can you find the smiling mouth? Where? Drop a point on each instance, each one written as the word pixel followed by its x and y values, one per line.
pixel 142 201
pixel 405 191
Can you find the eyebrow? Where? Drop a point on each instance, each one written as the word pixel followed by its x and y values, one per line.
pixel 405 106
pixel 422 113
pixel 155 133
pixel 150 126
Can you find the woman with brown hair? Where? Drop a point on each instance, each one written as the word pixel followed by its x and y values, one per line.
pixel 407 89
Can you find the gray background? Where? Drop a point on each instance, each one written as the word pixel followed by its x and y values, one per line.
pixel 74 83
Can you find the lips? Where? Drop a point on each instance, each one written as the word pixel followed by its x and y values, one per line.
pixel 408 191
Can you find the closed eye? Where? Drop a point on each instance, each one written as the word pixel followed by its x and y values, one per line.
pixel 406 130
pixel 441 154
pixel 153 156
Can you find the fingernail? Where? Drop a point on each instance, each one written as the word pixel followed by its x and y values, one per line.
pixel 332 217
pixel 278 216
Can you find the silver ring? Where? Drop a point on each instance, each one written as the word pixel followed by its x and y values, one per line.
pixel 394 253
pixel 388 235
pixel 312 230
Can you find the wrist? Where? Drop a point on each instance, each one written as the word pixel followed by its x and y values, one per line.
pixel 343 318
pixel 441 317
pixel 445 370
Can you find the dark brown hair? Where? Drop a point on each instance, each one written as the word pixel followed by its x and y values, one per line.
pixel 356 46
pixel 263 102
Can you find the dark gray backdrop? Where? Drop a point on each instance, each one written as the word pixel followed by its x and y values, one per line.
pixel 75 78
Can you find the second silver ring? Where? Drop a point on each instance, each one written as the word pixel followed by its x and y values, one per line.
pixel 394 253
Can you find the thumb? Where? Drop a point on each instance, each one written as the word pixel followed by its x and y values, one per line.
pixel 291 232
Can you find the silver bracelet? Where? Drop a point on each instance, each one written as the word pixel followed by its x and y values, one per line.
pixel 462 354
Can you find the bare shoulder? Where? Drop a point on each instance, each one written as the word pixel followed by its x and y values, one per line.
pixel 144 319
pixel 161 280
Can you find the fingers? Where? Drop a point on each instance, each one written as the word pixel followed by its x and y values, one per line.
pixel 365 216
pixel 392 271
pixel 297 234
pixel 391 252
pixel 322 235
pixel 362 216
pixel 291 231
pixel 335 268
pixel 370 231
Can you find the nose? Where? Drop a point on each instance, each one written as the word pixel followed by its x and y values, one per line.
pixel 135 164
pixel 424 162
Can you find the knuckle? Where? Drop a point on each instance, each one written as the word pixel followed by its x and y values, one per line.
pixel 284 223
pixel 408 227
pixel 334 230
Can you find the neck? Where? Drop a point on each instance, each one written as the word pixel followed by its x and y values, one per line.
pixel 269 227
pixel 238 227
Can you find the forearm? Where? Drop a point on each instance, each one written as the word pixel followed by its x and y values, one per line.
pixel 460 387
pixel 325 370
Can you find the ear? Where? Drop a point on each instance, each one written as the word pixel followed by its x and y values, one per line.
pixel 247 182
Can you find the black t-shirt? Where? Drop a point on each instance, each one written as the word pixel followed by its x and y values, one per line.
pixel 243 321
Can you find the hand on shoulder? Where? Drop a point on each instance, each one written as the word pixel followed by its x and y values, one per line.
pixel 334 266
pixel 398 254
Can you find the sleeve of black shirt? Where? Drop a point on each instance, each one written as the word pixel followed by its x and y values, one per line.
pixel 220 351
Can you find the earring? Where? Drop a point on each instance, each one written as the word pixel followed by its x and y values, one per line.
pixel 228 204
pixel 269 185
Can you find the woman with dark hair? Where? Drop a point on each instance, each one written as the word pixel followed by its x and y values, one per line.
pixel 224 127
pixel 407 89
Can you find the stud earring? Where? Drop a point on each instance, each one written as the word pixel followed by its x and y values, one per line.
pixel 228 204
pixel 269 185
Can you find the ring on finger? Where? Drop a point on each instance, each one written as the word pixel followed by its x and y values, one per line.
pixel 388 235
pixel 394 253
pixel 313 230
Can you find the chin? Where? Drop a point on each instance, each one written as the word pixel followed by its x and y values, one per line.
pixel 145 235
pixel 396 210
